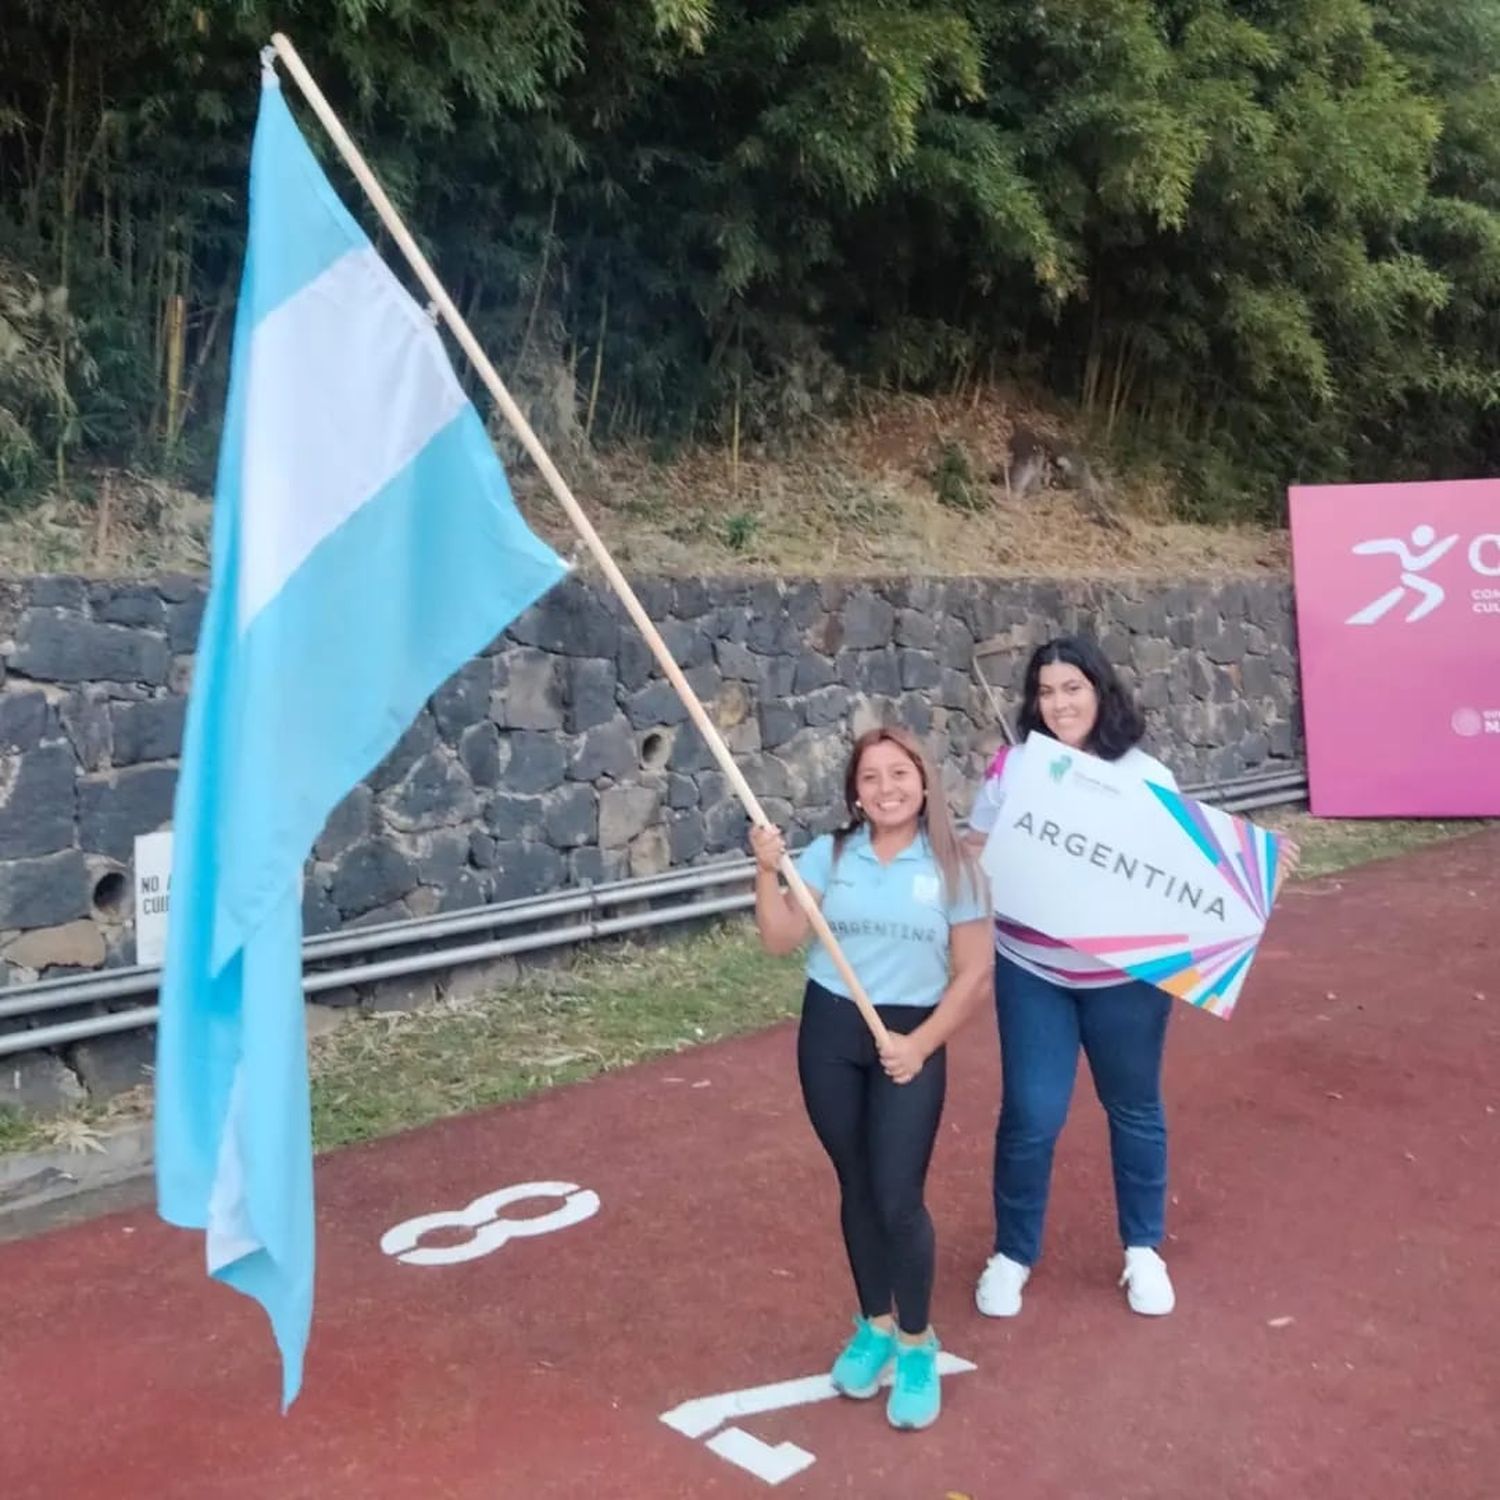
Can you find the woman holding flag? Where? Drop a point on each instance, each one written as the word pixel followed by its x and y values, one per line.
pixel 905 899
pixel 1051 1000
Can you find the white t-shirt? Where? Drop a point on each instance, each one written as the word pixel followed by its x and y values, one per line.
pixel 1024 946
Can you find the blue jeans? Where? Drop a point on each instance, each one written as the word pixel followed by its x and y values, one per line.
pixel 1123 1029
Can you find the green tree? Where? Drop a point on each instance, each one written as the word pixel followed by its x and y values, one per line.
pixel 1257 238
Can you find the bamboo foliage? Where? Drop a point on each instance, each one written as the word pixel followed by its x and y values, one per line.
pixel 1256 241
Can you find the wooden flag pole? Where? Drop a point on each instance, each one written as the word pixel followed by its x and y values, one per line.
pixel 559 487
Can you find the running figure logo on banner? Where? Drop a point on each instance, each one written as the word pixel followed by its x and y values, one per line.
pixel 1428 594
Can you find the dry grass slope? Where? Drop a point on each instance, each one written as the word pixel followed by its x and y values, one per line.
pixel 856 496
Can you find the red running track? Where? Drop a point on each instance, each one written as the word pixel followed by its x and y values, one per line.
pixel 1336 1202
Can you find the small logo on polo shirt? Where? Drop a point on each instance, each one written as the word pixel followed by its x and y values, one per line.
pixel 927 889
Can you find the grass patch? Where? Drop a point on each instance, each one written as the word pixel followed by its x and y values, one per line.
pixel 17 1130
pixel 1333 844
pixel 77 1130
pixel 600 1010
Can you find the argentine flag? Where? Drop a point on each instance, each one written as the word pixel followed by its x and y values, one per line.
pixel 365 546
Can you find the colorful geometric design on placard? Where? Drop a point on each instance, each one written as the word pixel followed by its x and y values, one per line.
pixel 1207 976
pixel 1106 947
pixel 1250 869
pixel 1259 853
pixel 1204 976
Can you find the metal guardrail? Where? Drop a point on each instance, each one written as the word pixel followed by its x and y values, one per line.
pixel 1247 793
pixel 1276 788
pixel 123 983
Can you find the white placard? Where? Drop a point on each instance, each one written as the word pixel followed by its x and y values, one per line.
pixel 153 881
pixel 1164 888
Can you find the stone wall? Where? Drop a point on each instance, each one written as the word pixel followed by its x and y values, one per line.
pixel 562 755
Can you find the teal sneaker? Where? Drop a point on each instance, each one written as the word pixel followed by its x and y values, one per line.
pixel 866 1357
pixel 916 1395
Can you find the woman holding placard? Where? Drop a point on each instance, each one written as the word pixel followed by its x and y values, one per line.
pixel 906 901
pixel 1051 1001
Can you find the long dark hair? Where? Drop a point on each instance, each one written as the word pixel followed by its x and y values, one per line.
pixel 1119 726
pixel 960 871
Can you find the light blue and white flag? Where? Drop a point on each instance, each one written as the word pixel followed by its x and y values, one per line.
pixel 365 546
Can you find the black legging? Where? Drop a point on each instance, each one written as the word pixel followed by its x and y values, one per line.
pixel 879 1136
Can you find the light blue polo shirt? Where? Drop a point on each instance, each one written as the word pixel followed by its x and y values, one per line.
pixel 892 921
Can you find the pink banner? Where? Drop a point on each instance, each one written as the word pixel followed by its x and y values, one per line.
pixel 1398 626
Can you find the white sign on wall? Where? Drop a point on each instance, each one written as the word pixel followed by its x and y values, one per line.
pixel 153 881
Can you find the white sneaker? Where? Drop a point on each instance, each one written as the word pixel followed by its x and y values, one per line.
pixel 998 1294
pixel 1148 1288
